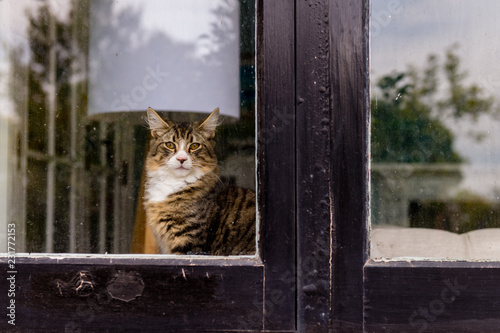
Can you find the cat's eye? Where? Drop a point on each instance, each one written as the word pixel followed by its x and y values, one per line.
pixel 169 145
pixel 194 146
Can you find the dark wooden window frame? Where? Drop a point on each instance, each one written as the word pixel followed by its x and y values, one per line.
pixel 313 273
pixel 367 295
pixel 84 294
pixel 339 288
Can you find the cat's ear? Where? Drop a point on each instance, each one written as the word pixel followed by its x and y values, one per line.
pixel 209 125
pixel 156 124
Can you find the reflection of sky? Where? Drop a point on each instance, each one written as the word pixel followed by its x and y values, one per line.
pixel 175 55
pixel 418 28
pixel 407 31
pixel 170 55
pixel 189 22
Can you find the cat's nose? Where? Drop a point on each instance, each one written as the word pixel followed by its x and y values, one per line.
pixel 181 159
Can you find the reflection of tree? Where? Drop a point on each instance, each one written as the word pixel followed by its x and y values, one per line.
pixel 409 125
pixel 53 37
pixel 408 116
pixel 52 75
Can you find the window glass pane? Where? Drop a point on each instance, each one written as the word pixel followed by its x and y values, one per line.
pixel 435 147
pixel 76 79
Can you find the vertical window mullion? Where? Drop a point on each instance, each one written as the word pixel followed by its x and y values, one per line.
pixel 117 218
pixel 51 128
pixel 73 148
pixel 103 176
pixel 21 241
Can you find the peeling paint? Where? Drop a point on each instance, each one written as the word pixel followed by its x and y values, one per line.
pixel 85 285
pixel 126 286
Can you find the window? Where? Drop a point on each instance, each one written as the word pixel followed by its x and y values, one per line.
pixel 161 292
pixel 78 78
pixel 434 169
pixel 433 134
pixel 340 288
pixel 314 272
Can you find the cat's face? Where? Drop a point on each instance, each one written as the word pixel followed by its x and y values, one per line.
pixel 182 150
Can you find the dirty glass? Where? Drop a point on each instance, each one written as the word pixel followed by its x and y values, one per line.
pixel 435 142
pixel 76 78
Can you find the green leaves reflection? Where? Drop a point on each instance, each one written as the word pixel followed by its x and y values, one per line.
pixel 410 110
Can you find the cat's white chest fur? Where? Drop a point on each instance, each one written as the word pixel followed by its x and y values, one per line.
pixel 162 182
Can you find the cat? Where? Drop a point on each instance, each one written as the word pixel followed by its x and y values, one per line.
pixel 187 207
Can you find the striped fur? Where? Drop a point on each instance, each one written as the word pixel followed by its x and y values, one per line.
pixel 187 207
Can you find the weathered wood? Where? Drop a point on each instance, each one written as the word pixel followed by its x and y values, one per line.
pixel 432 297
pixel 332 161
pixel 349 175
pixel 314 164
pixel 276 168
pixel 199 296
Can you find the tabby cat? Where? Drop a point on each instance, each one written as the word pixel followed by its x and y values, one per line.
pixel 187 207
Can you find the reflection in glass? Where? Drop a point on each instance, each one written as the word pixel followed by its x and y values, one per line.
pixel 435 152
pixel 70 172
pixel 171 55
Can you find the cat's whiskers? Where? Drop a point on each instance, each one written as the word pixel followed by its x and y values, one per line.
pixel 210 171
pixel 225 171
pixel 228 175
pixel 217 176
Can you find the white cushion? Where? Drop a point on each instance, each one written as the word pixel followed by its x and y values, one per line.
pixel 419 243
